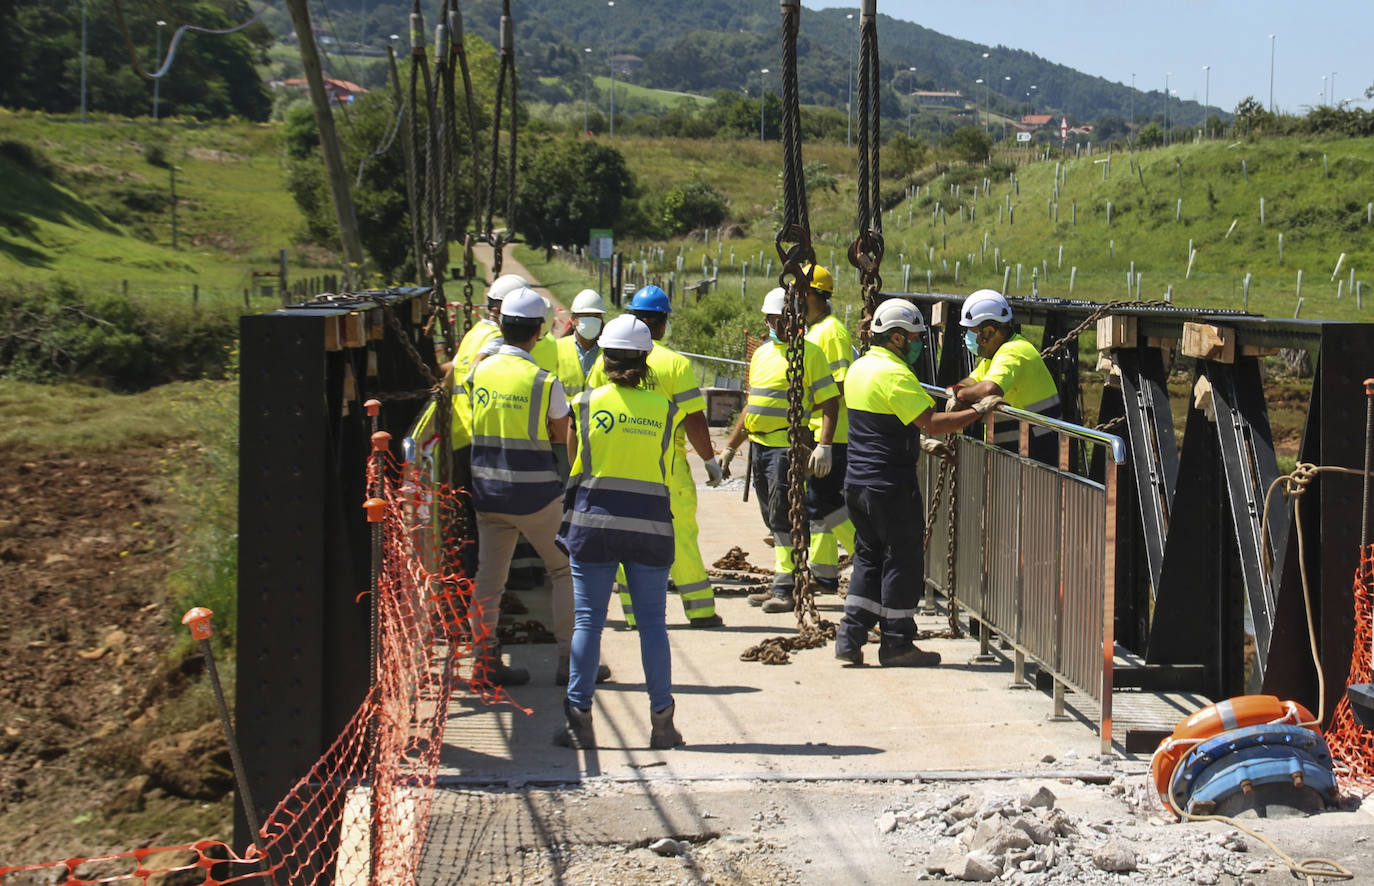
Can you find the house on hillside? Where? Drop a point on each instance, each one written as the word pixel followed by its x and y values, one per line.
pixel 341 92
pixel 935 99
pixel 1035 121
pixel 626 64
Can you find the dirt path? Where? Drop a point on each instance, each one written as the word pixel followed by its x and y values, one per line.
pixel 509 265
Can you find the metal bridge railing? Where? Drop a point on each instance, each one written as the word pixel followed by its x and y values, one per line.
pixel 1034 554
pixel 726 373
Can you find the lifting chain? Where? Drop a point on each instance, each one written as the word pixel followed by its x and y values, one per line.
pixel 866 252
pixel 1091 321
pixel 469 273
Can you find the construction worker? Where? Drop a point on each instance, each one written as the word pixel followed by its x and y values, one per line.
pixel 618 511
pixel 1009 366
pixel 518 411
pixel 825 506
pixel 887 406
pixel 764 420
pixel 671 374
pixel 486 328
pixel 577 352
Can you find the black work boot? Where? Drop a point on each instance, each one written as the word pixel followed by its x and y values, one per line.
pixel 564 672
pixel 848 655
pixel 490 668
pixel 908 657
pixel 664 734
pixel 576 731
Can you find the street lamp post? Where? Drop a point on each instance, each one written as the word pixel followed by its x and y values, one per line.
pixel 586 91
pixel 1166 108
pixel 910 97
pixel 157 63
pixel 1271 72
pixel 1007 79
pixel 1206 99
pixel 762 73
pixel 610 5
pixel 987 106
pixel 849 88
pixel 1332 100
pixel 1130 130
pixel 1323 89
pixel 975 100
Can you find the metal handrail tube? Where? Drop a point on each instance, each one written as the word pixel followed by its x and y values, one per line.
pixel 1115 445
pixel 715 359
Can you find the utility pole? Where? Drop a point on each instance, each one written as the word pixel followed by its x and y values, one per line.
pixel 1271 72
pixel 173 170
pixel 610 22
pixel 849 87
pixel 83 61
pixel 329 137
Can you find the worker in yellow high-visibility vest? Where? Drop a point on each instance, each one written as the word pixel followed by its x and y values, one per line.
pixel 617 513
pixel 764 421
pixel 578 352
pixel 673 378
pixel 825 506
pixel 1008 366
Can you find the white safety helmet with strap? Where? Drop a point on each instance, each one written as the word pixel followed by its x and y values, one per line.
pixel 896 313
pixel 627 333
pixel 775 301
pixel 983 306
pixel 588 301
pixel 504 285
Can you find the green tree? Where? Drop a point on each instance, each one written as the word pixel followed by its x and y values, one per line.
pixel 693 205
pixel 908 154
pixel 1151 135
pixel 568 186
pixel 971 144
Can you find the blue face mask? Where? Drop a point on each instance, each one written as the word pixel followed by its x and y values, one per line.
pixel 773 335
pixel 971 341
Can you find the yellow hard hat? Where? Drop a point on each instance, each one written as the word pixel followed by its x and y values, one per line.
pixel 821 280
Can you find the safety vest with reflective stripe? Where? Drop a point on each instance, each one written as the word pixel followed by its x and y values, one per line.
pixel 481 332
pixel 513 470
pixel 570 371
pixel 765 414
pixel 545 352
pixel 829 334
pixel 1021 373
pixel 617 507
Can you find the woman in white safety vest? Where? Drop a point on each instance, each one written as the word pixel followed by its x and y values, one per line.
pixel 617 511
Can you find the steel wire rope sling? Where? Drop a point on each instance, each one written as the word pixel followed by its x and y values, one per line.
pixel 507 73
pixel 798 258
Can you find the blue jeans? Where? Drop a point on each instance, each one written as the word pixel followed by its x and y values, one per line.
pixel 591 595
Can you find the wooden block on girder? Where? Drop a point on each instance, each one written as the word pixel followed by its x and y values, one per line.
pixel 417 310
pixel 1206 342
pixel 1117 332
pixel 1202 398
pixel 939 313
pixel 354 330
pixel 1257 351
pixel 333 334
pixel 1154 341
pixel 376 325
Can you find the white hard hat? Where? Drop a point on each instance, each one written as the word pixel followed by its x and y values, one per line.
pixel 504 285
pixel 983 305
pixel 627 333
pixel 524 303
pixel 548 310
pixel 775 301
pixel 588 301
pixel 896 313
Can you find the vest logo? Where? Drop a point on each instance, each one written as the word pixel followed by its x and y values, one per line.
pixel 603 420
pixel 482 396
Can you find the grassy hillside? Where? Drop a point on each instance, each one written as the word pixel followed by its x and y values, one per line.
pixel 104 217
pixel 1319 207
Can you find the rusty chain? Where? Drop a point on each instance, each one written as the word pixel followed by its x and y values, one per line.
pixel 1092 319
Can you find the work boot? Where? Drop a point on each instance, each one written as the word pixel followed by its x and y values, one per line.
pixel 576 731
pixel 779 603
pixel 758 598
pixel 908 657
pixel 490 667
pixel 664 734
pixel 710 621
pixel 853 656
pixel 564 672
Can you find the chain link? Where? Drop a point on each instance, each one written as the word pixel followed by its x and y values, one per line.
pixel 1092 319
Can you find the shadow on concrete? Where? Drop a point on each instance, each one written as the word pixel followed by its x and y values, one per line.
pixel 791 750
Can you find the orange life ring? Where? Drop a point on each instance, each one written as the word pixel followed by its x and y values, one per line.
pixel 1233 713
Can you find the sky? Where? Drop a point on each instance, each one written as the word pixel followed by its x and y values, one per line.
pixel 1325 38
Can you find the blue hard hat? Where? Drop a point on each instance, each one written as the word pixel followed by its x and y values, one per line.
pixel 651 298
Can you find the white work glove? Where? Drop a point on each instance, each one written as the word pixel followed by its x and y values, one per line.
pixel 934 446
pixel 821 460
pixel 725 458
pixel 952 401
pixel 987 404
pixel 714 473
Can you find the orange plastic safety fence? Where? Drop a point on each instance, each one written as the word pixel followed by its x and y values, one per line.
pixel 360 814
pixel 1352 746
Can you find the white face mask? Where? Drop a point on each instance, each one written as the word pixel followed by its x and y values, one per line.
pixel 668 329
pixel 589 327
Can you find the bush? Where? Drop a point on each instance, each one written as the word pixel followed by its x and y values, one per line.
pixel 58 332
pixel 693 205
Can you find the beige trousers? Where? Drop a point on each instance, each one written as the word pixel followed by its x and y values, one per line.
pixel 496 538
